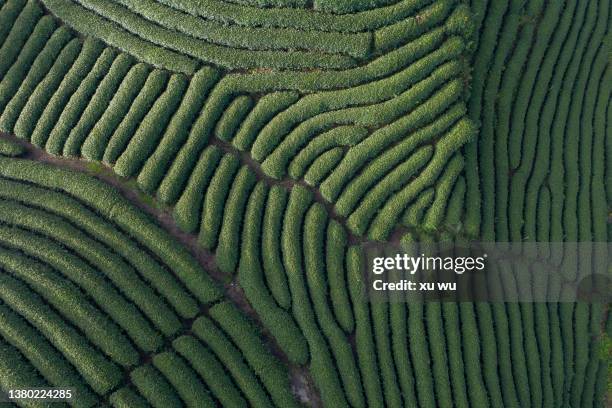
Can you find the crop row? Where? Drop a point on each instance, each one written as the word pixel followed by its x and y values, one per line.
pixel 293 17
pixel 77 282
pixel 533 171
pixel 250 38
pixel 154 44
pixel 164 35
pixel 152 125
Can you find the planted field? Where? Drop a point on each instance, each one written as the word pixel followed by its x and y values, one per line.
pixel 187 189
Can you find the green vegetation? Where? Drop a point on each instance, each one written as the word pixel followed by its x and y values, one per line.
pixel 260 152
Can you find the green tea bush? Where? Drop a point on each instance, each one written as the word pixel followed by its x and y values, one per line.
pixel 30 114
pixel 460 134
pixel 444 186
pixel 154 273
pixel 49 362
pixel 16 373
pixel 252 280
pixel 87 57
pixel 210 370
pixel 94 25
pixel 20 29
pixel 151 128
pixel 396 34
pixel 101 374
pixel 378 140
pixel 335 248
pixel 456 365
pixel 187 210
pixel 111 204
pixel 454 208
pixel 227 251
pixel 11 148
pixel 274 270
pixel 127 398
pixel 147 95
pixel 295 17
pixel 398 320
pixel 264 110
pixel 272 140
pixel 71 303
pixel 309 81
pixel 360 218
pixel 106 296
pixel 97 105
pixel 314 265
pixel 183 379
pixel 113 267
pixel 154 44
pixel 215 200
pixel 232 118
pixel 323 165
pixel 268 368
pixel 8 15
pixel 40 67
pixel 154 387
pixel 78 102
pixel 414 213
pixel 473 374
pixel 364 340
pixel 97 141
pixel 321 361
pixel 178 174
pixel 439 355
pixel 232 359
pixel 383 164
pixel 380 316
pixel 9 85
pixel 250 38
pixel 178 129
pixel 340 136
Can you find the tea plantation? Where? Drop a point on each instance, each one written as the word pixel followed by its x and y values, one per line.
pixel 187 188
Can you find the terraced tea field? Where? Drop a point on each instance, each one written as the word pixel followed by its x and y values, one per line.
pixel 188 189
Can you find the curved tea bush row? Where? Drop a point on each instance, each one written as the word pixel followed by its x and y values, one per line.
pixel 113 206
pixel 100 373
pixel 15 373
pixel 40 130
pixel 77 214
pixel 100 285
pixel 253 282
pixel 224 194
pixel 157 45
pixel 382 137
pixel 140 105
pixel 19 23
pixel 96 142
pixel 42 93
pixel 164 35
pixel 153 125
pixel 70 303
pixel 250 38
pixel 36 73
pixel 247 15
pixel 11 148
pixel 115 269
pixel 210 370
pixel 41 354
pixel 537 165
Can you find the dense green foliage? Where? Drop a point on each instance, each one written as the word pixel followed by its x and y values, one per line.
pixel 81 280
pixel 262 148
